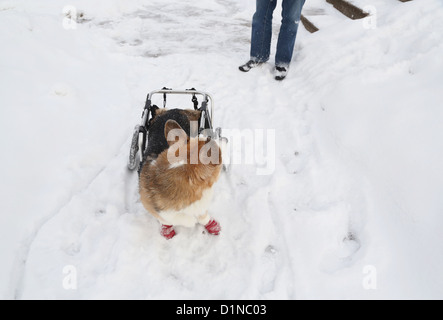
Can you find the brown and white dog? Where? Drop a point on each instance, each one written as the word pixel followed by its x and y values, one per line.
pixel 177 175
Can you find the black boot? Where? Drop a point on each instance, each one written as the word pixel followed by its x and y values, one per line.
pixel 249 65
pixel 280 73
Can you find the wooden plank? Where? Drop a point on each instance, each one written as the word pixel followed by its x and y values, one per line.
pixel 348 9
pixel 308 24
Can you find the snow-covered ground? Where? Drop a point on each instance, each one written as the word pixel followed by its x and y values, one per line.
pixel 353 208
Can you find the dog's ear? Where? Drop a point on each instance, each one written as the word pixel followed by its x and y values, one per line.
pixel 174 131
pixel 154 109
pixel 154 113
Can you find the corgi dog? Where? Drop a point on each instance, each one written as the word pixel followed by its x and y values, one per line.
pixel 179 171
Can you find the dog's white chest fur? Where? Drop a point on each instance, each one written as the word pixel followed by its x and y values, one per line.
pixel 189 216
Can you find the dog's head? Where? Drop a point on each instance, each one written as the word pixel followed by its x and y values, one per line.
pixel 200 150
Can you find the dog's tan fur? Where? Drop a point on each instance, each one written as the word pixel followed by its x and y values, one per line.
pixel 166 186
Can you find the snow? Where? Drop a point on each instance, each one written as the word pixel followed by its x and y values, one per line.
pixel 354 196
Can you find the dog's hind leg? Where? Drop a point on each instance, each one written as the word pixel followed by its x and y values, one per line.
pixel 168 232
pixel 212 226
pixel 204 219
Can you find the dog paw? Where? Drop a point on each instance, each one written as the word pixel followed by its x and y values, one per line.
pixel 167 232
pixel 213 227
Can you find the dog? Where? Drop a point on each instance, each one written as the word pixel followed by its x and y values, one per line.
pixel 179 170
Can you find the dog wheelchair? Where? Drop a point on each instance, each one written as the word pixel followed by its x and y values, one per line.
pixel 141 131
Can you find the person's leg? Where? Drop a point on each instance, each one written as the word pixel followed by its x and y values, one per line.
pixel 262 30
pixel 291 14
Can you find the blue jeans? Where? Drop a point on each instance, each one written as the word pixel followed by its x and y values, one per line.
pixel 262 31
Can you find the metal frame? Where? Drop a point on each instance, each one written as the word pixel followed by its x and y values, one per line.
pixel 165 91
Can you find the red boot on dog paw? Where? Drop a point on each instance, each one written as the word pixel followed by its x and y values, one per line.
pixel 168 232
pixel 213 227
